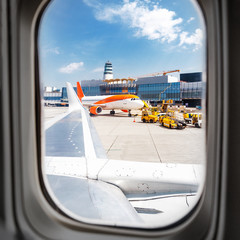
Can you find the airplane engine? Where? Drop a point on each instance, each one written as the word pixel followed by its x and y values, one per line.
pixel 95 110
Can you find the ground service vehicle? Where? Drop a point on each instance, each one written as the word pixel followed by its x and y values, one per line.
pixel 154 110
pixel 170 122
pixel 197 120
pixel 165 105
pixel 188 117
pixel 147 116
pixel 26 213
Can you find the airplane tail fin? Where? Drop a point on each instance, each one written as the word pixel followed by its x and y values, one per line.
pixel 79 91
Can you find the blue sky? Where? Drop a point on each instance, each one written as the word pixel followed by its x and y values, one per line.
pixel 77 37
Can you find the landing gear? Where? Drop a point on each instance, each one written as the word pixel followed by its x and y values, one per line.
pixel 129 113
pixel 112 112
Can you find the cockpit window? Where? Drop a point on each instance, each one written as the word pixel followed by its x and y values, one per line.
pixel 107 160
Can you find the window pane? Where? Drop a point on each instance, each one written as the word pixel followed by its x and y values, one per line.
pixel 109 159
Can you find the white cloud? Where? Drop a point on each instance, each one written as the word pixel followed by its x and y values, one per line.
pixel 92 3
pixel 148 20
pixel 155 24
pixel 190 19
pixel 71 67
pixel 194 39
pixel 46 51
pixel 54 50
pixel 99 69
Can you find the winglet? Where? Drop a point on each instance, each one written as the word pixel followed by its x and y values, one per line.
pixel 73 100
pixel 79 91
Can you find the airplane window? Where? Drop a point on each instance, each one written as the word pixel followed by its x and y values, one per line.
pixel 123 112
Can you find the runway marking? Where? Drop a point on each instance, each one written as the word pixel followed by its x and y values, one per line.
pixel 112 144
pixel 154 145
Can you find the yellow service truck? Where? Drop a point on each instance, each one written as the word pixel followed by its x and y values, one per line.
pixel 188 117
pixel 155 111
pixel 197 120
pixel 148 117
pixel 171 122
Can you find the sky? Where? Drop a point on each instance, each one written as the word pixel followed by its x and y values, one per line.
pixel 77 37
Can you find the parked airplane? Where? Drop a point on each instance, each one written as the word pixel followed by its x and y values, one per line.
pixel 124 102
pixel 116 192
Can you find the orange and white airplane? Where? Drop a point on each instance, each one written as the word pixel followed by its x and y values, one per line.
pixel 124 102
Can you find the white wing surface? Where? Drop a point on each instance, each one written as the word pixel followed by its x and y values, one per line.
pixel 87 186
pixel 73 158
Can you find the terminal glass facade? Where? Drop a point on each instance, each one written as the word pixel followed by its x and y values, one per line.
pixel 159 91
pixel 112 89
pixel 91 90
pixel 191 77
pixel 192 90
pixel 184 92
pixel 87 90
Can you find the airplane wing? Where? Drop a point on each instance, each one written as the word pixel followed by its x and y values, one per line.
pixel 73 158
pixel 89 187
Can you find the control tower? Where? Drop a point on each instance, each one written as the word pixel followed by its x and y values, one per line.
pixel 108 73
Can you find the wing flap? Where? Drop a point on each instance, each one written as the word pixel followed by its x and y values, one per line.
pixel 85 200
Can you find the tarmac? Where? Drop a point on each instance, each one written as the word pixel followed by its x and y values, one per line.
pixel 128 138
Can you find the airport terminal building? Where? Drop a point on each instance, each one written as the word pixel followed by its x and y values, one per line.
pixel 188 91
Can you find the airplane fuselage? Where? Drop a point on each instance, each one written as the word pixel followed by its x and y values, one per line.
pixel 109 102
